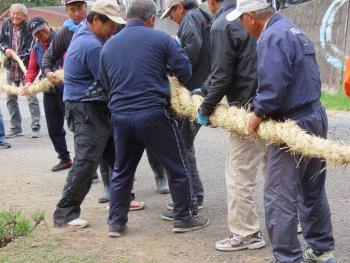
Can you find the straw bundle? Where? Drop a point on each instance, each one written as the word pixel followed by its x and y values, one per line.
pixel 235 121
pixel 20 62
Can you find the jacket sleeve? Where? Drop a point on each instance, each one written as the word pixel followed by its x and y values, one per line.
pixel 347 78
pixel 275 71
pixel 104 79
pixel 3 43
pixel 178 61
pixel 191 39
pixel 24 53
pixel 223 64
pixel 56 50
pixel 33 68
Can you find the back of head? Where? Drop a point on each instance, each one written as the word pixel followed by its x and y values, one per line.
pixel 141 10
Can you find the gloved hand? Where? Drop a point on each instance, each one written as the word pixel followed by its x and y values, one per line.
pixel 198 92
pixel 202 120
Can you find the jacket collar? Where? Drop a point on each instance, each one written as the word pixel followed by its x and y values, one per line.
pixel 273 19
pixel 135 22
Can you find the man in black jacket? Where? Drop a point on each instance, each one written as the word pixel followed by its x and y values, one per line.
pixel 15 38
pixel 194 38
pixel 234 75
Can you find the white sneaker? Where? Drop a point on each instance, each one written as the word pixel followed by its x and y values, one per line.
pixel 77 223
pixel 234 243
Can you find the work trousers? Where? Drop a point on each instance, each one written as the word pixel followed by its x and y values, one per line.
pixel 244 158
pixel 54 114
pixel 156 131
pixel 90 123
pixel 293 186
pixel 15 114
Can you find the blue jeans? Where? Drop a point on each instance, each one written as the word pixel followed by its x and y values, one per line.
pixel 2 129
pixel 156 131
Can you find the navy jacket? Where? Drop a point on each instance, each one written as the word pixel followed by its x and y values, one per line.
pixel 289 77
pixel 81 66
pixel 133 67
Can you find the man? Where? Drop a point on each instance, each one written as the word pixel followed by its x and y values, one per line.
pixel 233 74
pixel 139 104
pixel 289 88
pixel 3 143
pixel 193 35
pixel 15 38
pixel 86 109
pixel 53 99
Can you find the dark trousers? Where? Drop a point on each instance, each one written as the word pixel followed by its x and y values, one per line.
pixel 54 114
pixel 90 123
pixel 293 188
pixel 156 131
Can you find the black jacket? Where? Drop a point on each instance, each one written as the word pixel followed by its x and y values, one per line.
pixel 25 45
pixel 194 34
pixel 233 64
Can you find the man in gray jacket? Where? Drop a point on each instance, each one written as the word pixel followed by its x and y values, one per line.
pixel 234 75
pixel 194 38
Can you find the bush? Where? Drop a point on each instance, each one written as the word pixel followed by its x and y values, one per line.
pixel 5 4
pixel 13 225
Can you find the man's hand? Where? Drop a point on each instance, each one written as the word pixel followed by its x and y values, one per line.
pixel 51 76
pixel 202 120
pixel 25 91
pixel 9 52
pixel 253 125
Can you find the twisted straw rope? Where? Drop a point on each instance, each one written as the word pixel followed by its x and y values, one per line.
pixel 235 120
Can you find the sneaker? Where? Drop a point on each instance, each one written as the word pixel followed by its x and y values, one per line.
pixel 77 223
pixel 170 206
pixel 63 164
pixel 134 205
pixel 117 230
pixel 314 256
pixel 233 243
pixel 190 225
pixel 169 215
pixel 5 145
pixel 36 134
pixel 13 134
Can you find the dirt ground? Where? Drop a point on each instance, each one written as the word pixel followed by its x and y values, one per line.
pixel 26 183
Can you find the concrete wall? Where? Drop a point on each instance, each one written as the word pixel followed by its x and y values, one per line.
pixel 325 22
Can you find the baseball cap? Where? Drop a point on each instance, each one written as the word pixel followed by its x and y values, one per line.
pixel 67 2
pixel 110 9
pixel 36 24
pixel 170 4
pixel 245 6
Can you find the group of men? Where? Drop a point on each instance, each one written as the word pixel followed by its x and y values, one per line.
pixel 116 96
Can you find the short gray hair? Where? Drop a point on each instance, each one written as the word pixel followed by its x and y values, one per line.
pixel 20 7
pixel 141 9
pixel 263 13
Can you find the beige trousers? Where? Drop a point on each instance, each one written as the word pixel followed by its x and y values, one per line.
pixel 242 164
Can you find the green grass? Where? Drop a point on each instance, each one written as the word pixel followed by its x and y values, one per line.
pixel 335 101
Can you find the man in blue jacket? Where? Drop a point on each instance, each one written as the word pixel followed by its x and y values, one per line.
pixel 289 87
pixel 134 68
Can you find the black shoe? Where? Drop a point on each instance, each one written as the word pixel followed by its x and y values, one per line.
pixel 117 230
pixel 169 215
pixel 190 225
pixel 5 145
pixel 63 164
pixel 170 206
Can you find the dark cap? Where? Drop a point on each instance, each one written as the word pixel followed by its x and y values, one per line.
pixel 36 24
pixel 67 2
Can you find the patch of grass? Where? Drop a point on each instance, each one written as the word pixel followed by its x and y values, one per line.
pixel 122 259
pixel 336 101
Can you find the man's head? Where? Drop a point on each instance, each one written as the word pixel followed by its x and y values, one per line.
pixel 253 15
pixel 104 17
pixel 39 28
pixel 18 14
pixel 76 10
pixel 177 9
pixel 143 10
pixel 214 5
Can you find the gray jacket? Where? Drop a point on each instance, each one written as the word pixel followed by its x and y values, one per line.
pixel 233 64
pixel 194 34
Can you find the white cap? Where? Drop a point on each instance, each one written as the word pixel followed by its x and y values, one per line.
pixel 246 6
pixel 110 9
